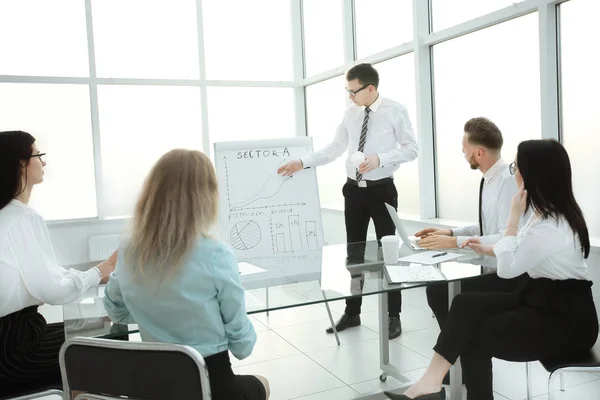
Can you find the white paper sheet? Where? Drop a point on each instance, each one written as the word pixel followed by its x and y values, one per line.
pixel 413 273
pixel 426 257
pixel 249 269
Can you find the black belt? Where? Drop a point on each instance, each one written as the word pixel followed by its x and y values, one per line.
pixel 364 183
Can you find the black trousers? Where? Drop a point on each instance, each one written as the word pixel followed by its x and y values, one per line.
pixel 29 358
pixel 437 294
pixel 360 206
pixel 225 385
pixel 547 319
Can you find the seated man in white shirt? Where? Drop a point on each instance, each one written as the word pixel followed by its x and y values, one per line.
pixel 482 145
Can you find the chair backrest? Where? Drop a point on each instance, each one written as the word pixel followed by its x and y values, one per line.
pixel 138 370
pixel 31 394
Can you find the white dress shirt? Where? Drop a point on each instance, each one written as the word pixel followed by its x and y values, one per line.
pixel 389 135
pixel 544 248
pixel 499 187
pixel 29 274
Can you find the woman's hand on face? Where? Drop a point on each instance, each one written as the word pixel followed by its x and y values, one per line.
pixel 519 203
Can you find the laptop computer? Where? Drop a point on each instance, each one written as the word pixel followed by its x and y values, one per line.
pixel 410 242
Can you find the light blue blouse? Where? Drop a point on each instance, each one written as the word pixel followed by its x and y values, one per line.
pixel 202 305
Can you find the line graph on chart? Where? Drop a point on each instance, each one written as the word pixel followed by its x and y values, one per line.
pixel 266 191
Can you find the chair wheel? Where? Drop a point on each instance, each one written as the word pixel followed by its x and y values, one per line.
pixel 383 377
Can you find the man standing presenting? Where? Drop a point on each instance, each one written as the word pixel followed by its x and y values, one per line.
pixel 378 129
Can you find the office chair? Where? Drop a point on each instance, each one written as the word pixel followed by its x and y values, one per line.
pixel 110 369
pixel 586 362
pixel 30 393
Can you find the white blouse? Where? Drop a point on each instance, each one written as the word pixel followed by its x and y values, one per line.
pixel 29 274
pixel 544 248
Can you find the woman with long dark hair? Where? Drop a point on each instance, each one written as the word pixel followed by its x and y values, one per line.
pixel 554 314
pixel 29 273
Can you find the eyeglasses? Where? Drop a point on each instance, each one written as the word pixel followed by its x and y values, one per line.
pixel 512 168
pixel 353 93
pixel 42 156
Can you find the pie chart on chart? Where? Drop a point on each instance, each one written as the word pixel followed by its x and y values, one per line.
pixel 245 235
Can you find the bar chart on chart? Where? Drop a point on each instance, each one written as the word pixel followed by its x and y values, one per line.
pixel 292 234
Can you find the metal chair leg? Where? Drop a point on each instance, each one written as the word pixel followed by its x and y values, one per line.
pixel 562 382
pixel 528 377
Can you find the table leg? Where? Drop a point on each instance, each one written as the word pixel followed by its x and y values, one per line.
pixel 456 370
pixel 335 332
pixel 267 299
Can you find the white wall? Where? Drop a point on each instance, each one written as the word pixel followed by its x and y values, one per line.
pixel 70 240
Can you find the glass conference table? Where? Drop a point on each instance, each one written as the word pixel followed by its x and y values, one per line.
pixel 333 272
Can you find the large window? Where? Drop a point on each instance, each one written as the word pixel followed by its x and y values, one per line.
pixel 58 116
pixel 382 24
pixel 138 125
pixel 39 37
pixel 250 113
pixel 397 82
pixel 323 35
pixel 580 64
pixel 49 90
pixel 146 39
pixel 448 13
pixel 326 103
pixel 248 40
pixel 156 87
pixel 492 73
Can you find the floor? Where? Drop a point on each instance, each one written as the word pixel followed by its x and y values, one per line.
pixel 302 362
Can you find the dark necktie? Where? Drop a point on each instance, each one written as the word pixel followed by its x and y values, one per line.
pixel 363 138
pixel 480 201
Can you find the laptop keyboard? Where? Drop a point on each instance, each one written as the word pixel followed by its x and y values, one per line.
pixel 415 244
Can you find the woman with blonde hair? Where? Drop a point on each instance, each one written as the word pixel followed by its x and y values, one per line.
pixel 178 283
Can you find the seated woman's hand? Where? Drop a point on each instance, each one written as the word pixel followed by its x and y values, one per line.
pixel 481 249
pixel 107 267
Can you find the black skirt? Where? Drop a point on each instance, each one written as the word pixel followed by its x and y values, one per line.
pixel 568 306
pixel 225 385
pixel 30 348
pixel 569 297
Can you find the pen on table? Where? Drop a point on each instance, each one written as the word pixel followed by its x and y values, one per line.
pixel 439 254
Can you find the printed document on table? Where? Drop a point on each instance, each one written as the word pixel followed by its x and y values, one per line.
pixel 412 273
pixel 426 257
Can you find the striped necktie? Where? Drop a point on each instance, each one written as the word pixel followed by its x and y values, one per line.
pixel 480 206
pixel 363 138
